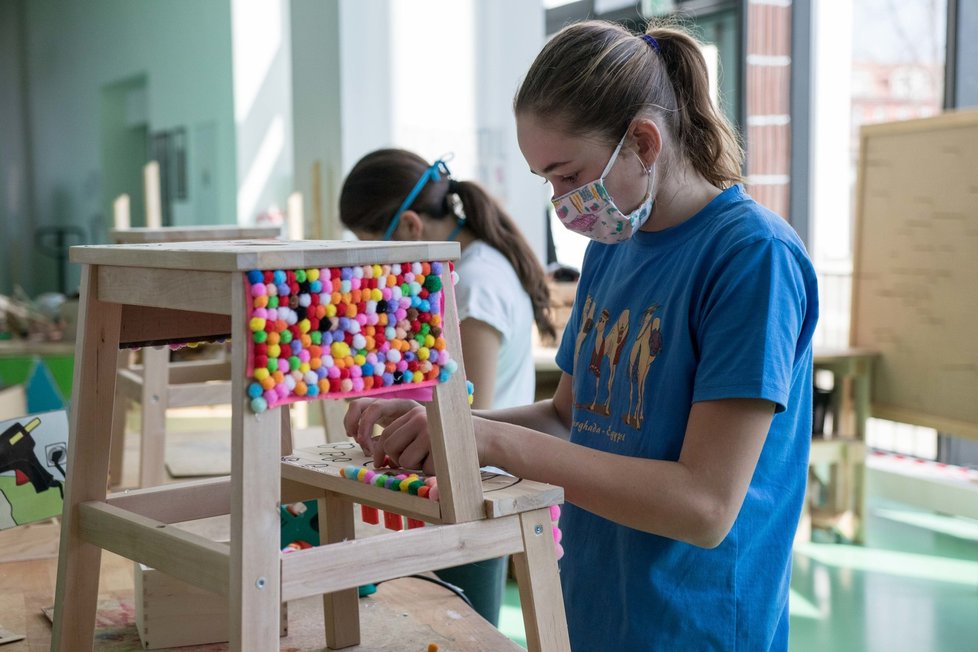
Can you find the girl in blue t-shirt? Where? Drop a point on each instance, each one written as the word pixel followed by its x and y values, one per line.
pixel 680 429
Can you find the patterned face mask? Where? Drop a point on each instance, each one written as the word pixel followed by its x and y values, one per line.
pixel 590 210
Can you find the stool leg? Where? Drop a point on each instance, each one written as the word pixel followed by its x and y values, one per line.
pixel 342 608
pixel 539 584
pixel 862 407
pixel 255 591
pixel 288 444
pixel 152 447
pixel 332 412
pixel 96 354
pixel 119 413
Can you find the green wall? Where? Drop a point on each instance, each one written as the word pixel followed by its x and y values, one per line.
pixel 77 55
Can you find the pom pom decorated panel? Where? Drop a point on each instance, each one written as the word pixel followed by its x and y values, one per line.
pixel 338 332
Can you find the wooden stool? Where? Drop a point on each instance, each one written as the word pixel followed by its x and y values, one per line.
pixel 180 292
pixel 157 384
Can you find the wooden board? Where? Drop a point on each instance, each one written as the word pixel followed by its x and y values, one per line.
pixel 31 541
pixel 171 613
pixel 915 269
pixel 198 454
pixel 943 488
pixel 6 636
pixel 13 402
pixel 192 233
pixel 244 255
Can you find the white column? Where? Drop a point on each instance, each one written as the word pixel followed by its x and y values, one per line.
pixel 434 81
pixel 832 172
pixel 508 36
pixel 341 90
pixel 432 76
pixel 262 73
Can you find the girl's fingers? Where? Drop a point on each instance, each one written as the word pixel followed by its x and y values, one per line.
pixel 351 418
pixel 414 455
pixel 392 442
pixel 413 435
pixel 363 414
pixel 354 418
pixel 405 440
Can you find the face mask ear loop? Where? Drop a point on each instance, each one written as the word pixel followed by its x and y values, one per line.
pixel 614 157
pixel 652 179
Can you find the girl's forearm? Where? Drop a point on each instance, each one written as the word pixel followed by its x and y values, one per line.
pixel 669 505
pixel 541 416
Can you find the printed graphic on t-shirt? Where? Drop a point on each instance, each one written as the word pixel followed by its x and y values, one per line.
pixel 606 351
pixel 647 345
pixel 587 325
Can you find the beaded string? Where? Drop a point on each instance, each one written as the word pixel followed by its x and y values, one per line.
pixel 345 331
pixel 408 483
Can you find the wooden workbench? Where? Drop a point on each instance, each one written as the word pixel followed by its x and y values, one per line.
pixel 403 615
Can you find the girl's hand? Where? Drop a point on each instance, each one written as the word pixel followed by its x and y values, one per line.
pixel 364 413
pixel 405 442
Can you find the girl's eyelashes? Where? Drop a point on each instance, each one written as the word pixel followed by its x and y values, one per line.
pixel 560 179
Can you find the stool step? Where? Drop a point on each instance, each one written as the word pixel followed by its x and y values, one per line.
pixel 321 466
pixel 349 564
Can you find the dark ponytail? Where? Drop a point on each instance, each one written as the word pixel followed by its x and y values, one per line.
pixel 490 223
pixel 631 75
pixel 379 182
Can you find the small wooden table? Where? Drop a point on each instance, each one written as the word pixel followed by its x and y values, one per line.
pixel 845 450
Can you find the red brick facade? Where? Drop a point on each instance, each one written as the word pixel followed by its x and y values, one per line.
pixel 768 119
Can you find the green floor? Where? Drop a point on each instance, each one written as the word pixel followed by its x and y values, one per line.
pixel 912 588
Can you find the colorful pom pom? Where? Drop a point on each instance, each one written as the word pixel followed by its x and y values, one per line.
pixel 335 331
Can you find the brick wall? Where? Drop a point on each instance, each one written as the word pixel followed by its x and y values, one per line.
pixel 768 119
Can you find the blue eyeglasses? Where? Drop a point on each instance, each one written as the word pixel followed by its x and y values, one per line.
pixel 433 173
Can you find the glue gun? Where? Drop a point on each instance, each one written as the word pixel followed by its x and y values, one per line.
pixel 17 454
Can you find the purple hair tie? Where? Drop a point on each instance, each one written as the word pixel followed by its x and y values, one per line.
pixel 648 38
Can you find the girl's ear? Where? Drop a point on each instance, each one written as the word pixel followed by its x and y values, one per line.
pixel 647 139
pixel 411 227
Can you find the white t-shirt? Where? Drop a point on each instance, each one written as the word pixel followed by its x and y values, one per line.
pixel 489 290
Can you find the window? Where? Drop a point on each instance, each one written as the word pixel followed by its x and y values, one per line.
pixel 874 61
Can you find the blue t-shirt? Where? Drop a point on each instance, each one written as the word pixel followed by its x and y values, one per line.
pixel 720 306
